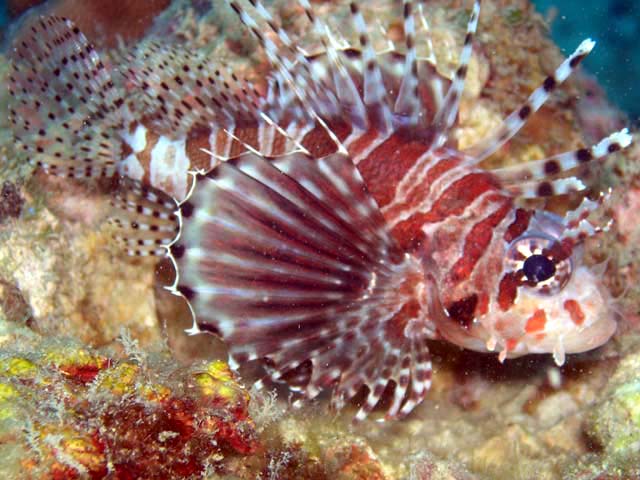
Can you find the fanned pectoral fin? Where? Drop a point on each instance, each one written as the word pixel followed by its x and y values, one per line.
pixel 290 260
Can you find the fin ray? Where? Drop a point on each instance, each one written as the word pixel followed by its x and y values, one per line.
pixel 312 275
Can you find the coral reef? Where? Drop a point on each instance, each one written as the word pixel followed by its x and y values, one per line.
pixel 105 22
pixel 614 423
pixel 72 412
pixel 73 279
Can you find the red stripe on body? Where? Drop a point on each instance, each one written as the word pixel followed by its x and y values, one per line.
pixel 536 322
pixel 575 312
pixel 476 243
pixel 197 140
pixel 508 290
pixel 387 165
pixel 452 202
pixel 519 225
pixel 419 190
pixel 319 142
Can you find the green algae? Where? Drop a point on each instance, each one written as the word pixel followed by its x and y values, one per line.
pixel 614 423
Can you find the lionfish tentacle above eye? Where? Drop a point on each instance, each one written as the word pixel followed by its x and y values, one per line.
pixel 305 274
pixel 577 225
pixel 73 132
pixel 515 120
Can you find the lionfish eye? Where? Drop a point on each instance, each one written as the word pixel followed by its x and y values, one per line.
pixel 538 268
pixel 532 257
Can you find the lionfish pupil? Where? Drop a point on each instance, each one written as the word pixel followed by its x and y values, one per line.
pixel 538 268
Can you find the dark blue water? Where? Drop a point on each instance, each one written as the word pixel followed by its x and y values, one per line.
pixel 614 24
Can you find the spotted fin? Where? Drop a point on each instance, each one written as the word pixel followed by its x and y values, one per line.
pixel 183 88
pixel 144 218
pixel 289 261
pixel 64 109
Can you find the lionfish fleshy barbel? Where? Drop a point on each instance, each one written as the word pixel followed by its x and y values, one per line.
pixel 333 228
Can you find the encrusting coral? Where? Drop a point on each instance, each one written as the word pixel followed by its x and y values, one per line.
pixel 72 412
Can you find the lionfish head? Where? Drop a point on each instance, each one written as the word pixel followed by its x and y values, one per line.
pixel 547 299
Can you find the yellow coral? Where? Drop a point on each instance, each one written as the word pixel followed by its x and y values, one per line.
pixel 217 381
pixel 17 367
pixel 154 392
pixel 76 356
pixel 8 395
pixel 119 379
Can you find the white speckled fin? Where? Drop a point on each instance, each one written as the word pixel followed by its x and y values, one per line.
pixel 145 219
pixel 289 260
pixel 64 110
pixel 182 88
pixel 514 122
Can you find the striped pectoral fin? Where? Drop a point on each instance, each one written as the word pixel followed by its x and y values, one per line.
pixel 289 260
pixel 144 218
pixel 63 107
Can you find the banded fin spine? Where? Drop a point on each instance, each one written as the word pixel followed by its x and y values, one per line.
pixel 408 103
pixel 64 108
pixel 302 86
pixel 447 114
pixel 289 260
pixel 375 92
pixel 345 88
pixel 516 119
pixel 563 162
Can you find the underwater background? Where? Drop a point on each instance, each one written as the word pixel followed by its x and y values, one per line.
pixel 88 388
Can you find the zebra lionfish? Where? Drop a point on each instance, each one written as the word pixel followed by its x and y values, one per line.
pixel 330 227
